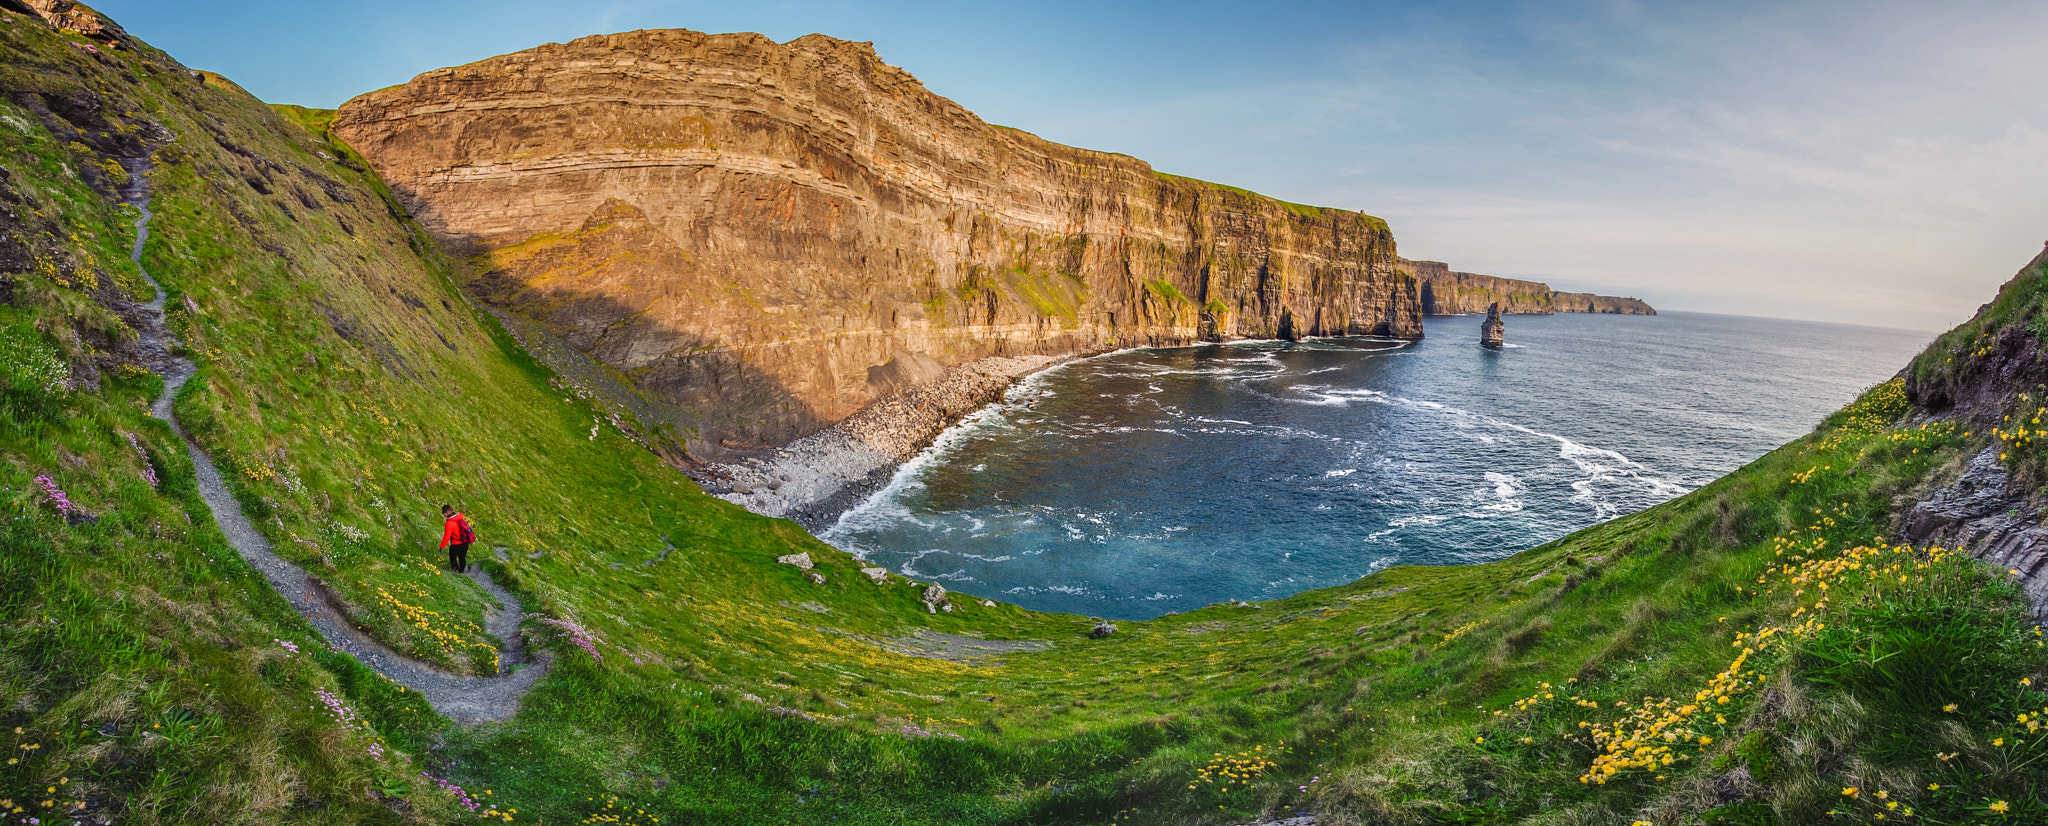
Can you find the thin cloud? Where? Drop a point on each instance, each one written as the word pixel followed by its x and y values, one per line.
pixel 1874 161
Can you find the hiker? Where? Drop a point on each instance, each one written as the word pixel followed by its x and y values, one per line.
pixel 456 534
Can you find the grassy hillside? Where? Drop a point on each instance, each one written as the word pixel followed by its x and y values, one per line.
pixel 1750 653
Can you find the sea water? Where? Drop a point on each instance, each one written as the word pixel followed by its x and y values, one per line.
pixel 1150 481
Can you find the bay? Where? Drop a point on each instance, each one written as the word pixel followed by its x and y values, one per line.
pixel 1150 481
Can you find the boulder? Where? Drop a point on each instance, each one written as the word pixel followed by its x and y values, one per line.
pixel 1102 629
pixel 879 575
pixel 935 599
pixel 802 560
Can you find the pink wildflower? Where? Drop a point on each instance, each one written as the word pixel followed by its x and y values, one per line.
pixel 55 496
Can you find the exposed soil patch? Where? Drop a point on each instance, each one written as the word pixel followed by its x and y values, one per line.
pixel 955 648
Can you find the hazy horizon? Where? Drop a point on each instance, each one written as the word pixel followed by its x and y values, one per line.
pixel 1860 163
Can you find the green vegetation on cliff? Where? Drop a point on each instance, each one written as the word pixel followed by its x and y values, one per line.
pixel 1303 210
pixel 1759 633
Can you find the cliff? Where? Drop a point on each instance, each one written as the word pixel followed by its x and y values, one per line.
pixel 771 236
pixel 150 673
pixel 1447 292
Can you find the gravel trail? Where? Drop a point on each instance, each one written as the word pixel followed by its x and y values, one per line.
pixel 463 699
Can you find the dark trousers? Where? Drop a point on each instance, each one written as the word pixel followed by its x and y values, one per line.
pixel 458 556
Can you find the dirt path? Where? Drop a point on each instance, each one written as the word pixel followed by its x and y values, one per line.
pixel 462 699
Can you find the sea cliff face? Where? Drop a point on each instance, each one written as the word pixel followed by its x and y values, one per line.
pixel 1447 292
pixel 774 235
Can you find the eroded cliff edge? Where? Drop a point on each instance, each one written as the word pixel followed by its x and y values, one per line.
pixel 771 236
pixel 1448 292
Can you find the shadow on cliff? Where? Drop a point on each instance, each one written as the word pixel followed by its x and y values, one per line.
pixel 696 393
pixel 595 291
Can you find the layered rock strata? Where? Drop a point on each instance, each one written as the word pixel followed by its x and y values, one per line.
pixel 776 235
pixel 1448 292
pixel 1493 331
pixel 1988 514
pixel 65 15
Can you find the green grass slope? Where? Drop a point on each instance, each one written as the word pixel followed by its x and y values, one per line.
pixel 1752 652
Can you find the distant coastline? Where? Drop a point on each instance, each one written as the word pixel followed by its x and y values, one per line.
pixel 1448 292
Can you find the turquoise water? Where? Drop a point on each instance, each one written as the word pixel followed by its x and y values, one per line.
pixel 1151 481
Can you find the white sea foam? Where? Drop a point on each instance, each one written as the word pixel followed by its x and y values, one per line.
pixel 1505 488
pixel 1070 590
pixel 884 506
pixel 1599 465
pixel 1338 474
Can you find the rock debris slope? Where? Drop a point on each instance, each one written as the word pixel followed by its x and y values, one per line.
pixel 773 235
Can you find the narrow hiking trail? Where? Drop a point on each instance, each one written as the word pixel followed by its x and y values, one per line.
pixel 460 698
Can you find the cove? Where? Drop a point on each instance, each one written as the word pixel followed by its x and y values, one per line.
pixel 1147 482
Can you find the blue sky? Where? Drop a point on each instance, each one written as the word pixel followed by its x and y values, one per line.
pixel 1876 163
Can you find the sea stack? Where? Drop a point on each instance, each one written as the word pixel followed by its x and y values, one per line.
pixel 1491 331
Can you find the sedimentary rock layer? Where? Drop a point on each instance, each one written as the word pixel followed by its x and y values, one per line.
pixel 774 235
pixel 1447 292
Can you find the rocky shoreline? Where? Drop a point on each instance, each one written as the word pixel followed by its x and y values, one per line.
pixel 818 477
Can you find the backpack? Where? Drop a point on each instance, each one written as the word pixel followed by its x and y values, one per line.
pixel 463 533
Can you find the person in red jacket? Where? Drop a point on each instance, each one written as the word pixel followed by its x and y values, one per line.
pixel 456 534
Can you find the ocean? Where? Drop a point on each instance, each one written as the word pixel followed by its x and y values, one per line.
pixel 1145 482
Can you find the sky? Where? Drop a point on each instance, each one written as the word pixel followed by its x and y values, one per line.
pixel 1879 163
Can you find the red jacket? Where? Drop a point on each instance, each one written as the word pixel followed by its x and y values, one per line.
pixel 451 531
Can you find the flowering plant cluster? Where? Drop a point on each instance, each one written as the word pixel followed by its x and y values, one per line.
pixel 452 635
pixel 28 801
pixel 1457 632
pixel 148 470
pixel 27 365
pixel 912 731
pixel 55 496
pixel 576 634
pixel 347 718
pixel 1877 409
pixel 615 812
pixel 1226 770
pixel 468 801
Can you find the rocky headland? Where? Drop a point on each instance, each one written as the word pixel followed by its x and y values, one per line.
pixel 772 236
pixel 1448 292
